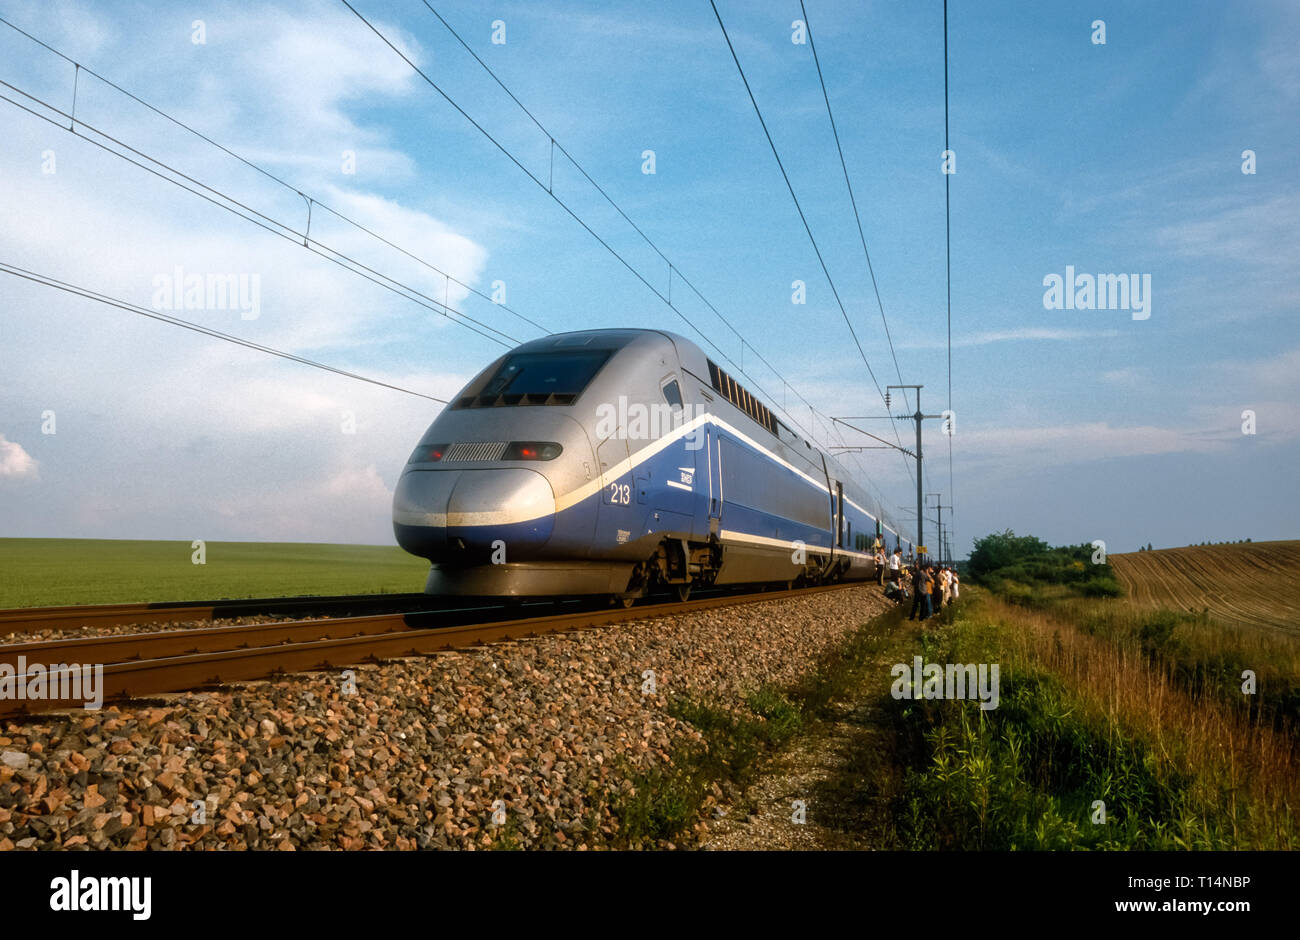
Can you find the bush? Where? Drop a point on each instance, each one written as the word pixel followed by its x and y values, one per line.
pixel 1019 567
pixel 1099 587
pixel 1001 550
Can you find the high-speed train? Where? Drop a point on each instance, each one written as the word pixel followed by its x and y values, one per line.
pixel 620 462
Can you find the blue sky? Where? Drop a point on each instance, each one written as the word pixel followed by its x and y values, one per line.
pixel 1071 424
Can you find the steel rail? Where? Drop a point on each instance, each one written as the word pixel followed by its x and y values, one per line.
pixel 173 661
pixel 31 619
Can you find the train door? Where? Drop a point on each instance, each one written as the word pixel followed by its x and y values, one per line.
pixel 831 528
pixel 713 465
pixel 839 515
pixel 669 479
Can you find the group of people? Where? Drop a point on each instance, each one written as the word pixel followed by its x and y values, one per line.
pixel 932 585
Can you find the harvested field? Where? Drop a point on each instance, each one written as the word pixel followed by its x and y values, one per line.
pixel 1246 585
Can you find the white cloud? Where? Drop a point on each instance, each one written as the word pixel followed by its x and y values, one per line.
pixel 1123 376
pixel 1258 233
pixel 1023 334
pixel 348 500
pixel 15 462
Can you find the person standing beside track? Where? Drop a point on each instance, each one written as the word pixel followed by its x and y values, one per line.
pixel 880 565
pixel 936 589
pixel 921 585
pixel 896 565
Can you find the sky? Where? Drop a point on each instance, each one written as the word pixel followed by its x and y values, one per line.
pixel 1072 422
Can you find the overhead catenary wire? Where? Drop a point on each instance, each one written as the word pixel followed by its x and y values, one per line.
pixel 857 217
pixel 158 315
pixel 312 200
pixel 790 186
pixel 830 114
pixel 227 202
pixel 259 219
pixel 545 186
pixel 947 238
pixel 803 218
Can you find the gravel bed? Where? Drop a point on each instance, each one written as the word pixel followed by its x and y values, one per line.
pixel 419 755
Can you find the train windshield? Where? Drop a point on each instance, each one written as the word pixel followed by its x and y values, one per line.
pixel 541 378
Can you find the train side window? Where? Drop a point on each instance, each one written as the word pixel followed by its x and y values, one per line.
pixel 673 394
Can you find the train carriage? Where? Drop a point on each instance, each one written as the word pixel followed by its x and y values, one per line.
pixel 618 462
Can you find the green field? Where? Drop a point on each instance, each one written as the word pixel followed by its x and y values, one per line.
pixel 45 572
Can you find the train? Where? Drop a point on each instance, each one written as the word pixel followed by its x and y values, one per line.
pixel 625 462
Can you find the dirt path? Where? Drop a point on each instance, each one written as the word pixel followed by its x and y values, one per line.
pixel 840 771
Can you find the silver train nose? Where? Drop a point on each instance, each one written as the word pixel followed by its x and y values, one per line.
pixel 457 515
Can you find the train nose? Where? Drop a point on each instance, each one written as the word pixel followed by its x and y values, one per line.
pixel 458 515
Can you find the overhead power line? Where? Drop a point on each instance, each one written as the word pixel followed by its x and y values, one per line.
pixel 673 269
pixel 947 239
pixel 88 294
pixel 619 209
pixel 311 201
pixel 235 207
pixel 830 114
pixel 852 199
pixel 802 217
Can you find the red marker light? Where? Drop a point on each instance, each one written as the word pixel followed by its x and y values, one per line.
pixel 532 450
pixel 428 453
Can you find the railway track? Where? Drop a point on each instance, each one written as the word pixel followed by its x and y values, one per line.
pixel 32 619
pixel 141 664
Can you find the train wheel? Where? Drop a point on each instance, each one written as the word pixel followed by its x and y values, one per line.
pixel 682 592
pixel 626 602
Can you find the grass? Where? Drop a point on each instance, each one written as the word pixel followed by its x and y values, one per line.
pixel 1082 719
pixel 49 572
pixel 1203 655
pixel 1099 705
